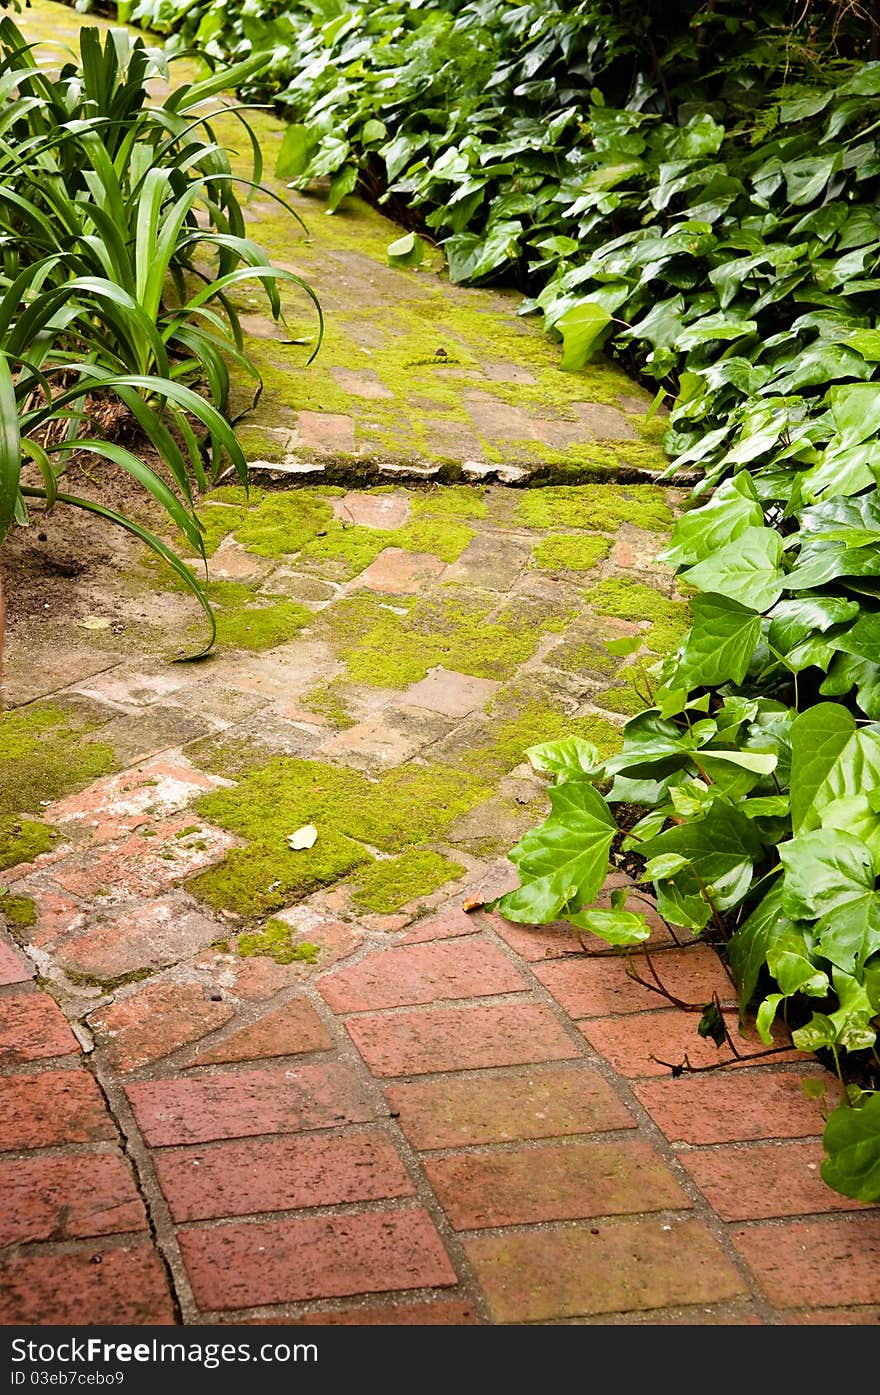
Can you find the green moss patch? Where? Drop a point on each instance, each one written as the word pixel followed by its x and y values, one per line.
pixel 277 941
pixel 408 806
pixel 43 757
pixel 19 912
pixel 351 548
pixel 450 502
pixel 248 621
pixel 391 650
pixel 392 883
pixel 571 552
pixel 599 508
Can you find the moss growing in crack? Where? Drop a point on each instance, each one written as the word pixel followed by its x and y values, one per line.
pixel 19 912
pixel 634 600
pixel 410 806
pixel 392 883
pixel 43 756
pixel 248 621
pixel 276 941
pixel 571 552
pixel 599 508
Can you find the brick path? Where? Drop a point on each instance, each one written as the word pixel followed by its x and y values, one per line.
pixel 399 1111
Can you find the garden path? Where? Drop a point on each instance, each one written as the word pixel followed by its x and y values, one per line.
pixel 243 1082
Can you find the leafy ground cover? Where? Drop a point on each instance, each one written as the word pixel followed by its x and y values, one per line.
pixel 712 220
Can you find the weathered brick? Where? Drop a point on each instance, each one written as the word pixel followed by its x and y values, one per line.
pixel 247 1264
pixel 465 1038
pixel 280 1174
pixel 14 968
pixel 385 739
pixel 448 925
pixel 592 986
pixel 451 694
pixel 325 432
pixel 164 931
pixel 157 787
pixel 490 563
pixel 123 1285
pixel 144 867
pixel 425 973
pixel 57 1106
pixel 727 1108
pixel 288 1030
pixel 396 572
pixel 749 1181
pixel 33 1026
pixel 62 1198
pixel 650 1042
pixel 559 1182
pixel 630 1266
pixel 240 1104
pixel 524 1103
pixel 804 1263
pixel 156 1020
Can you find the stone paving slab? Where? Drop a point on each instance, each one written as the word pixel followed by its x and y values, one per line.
pixel 250 1083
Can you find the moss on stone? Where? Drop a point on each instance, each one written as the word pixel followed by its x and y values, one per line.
pixel 283 523
pixel 248 621
pixel 538 722
pixel 406 807
pixel 599 508
pixel 276 941
pixel 627 599
pixel 326 700
pixel 390 650
pixel 392 883
pixel 43 757
pixel 450 501
pixel 570 552
pixel 267 875
pixel 21 840
pixel 19 912
pixel 587 657
pixel 351 548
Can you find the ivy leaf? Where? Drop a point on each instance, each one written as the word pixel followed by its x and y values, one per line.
pixel 341 185
pixel 562 864
pixel 852 1145
pixel 572 758
pixel 582 329
pixel 297 147
pixel 831 759
pixel 712 1024
pixel 746 570
pixel 701 532
pixel 747 947
pixel 614 927
pixel 721 642
pixel 797 618
pixel 722 848
pixel 855 410
pixel 824 869
pixel 471 256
